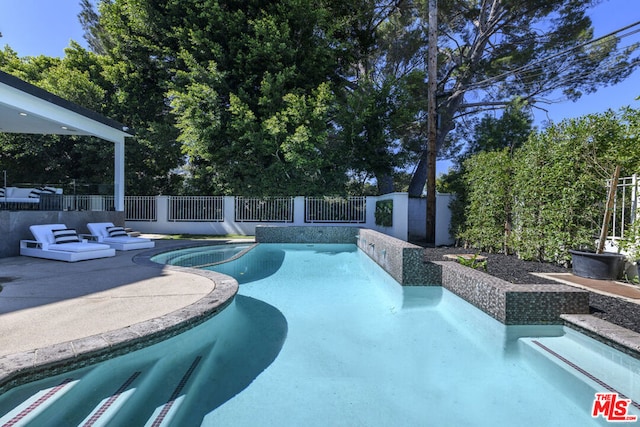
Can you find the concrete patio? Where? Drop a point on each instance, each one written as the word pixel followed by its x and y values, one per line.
pixel 54 313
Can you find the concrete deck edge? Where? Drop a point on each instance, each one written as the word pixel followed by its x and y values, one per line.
pixel 618 337
pixel 20 368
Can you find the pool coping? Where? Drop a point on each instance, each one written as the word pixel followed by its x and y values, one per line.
pixel 32 365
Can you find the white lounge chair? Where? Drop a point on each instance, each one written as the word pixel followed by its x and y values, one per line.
pixel 116 237
pixel 55 241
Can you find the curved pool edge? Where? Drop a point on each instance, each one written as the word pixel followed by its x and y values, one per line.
pixel 23 367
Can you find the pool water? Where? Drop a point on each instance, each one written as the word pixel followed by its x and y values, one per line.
pixel 201 256
pixel 319 335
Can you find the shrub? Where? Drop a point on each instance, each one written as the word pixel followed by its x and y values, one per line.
pixel 488 210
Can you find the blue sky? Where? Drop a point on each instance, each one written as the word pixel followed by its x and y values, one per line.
pixel 45 27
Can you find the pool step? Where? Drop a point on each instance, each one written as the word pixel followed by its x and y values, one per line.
pixel 110 404
pixel 153 393
pixel 574 355
pixel 164 414
pixel 37 403
pixel 153 396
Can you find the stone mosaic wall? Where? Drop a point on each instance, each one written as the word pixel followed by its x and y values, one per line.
pixel 402 260
pixel 304 234
pixel 513 304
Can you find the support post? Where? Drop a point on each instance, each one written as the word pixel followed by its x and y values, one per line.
pixel 118 178
pixel 432 86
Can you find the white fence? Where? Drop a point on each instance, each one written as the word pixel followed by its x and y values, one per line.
pixel 221 215
pixel 625 206
pixel 625 212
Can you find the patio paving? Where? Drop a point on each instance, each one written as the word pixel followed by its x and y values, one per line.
pixel 613 288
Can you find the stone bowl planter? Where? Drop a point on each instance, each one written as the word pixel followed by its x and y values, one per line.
pixel 604 266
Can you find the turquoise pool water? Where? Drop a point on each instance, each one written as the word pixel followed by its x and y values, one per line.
pixel 319 335
pixel 201 256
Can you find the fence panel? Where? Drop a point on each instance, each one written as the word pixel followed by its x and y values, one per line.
pixel 335 209
pixel 625 206
pixel 196 208
pixel 141 208
pixel 264 209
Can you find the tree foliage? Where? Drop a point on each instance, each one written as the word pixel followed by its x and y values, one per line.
pixel 555 191
pixel 95 82
pixel 488 201
pixel 498 137
pixel 314 96
pixel 492 51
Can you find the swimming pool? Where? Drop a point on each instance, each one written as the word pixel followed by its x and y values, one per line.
pixel 346 345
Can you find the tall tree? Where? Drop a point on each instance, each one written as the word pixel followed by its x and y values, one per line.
pixel 250 85
pixel 496 138
pixel 490 51
pixel 60 159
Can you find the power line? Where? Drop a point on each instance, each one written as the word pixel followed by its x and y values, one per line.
pixel 481 83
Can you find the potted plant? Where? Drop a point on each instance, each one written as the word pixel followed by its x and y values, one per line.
pixel 599 264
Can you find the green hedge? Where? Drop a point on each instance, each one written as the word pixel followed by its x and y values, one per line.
pixel 548 196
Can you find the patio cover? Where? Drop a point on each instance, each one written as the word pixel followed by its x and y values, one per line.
pixel 25 108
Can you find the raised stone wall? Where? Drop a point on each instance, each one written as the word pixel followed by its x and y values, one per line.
pixel 402 260
pixel 508 303
pixel 513 304
pixel 306 234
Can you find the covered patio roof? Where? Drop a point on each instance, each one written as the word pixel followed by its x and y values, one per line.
pixel 25 108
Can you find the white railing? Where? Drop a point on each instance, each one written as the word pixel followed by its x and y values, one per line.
pixel 335 210
pixel 195 208
pixel 625 206
pixel 263 209
pixel 141 208
pixel 224 215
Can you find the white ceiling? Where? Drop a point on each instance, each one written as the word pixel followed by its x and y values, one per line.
pixel 25 108
pixel 15 120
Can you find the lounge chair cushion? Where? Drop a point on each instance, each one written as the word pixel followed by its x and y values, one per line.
pixel 78 247
pixel 35 193
pixel 66 235
pixel 48 190
pixel 116 232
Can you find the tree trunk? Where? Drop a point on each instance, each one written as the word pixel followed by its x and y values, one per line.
pixel 419 178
